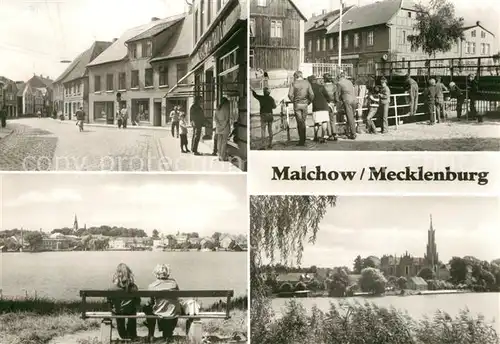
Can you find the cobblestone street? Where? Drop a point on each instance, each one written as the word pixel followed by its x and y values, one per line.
pixel 50 145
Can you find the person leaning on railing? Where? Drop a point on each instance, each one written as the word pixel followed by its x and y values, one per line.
pixel 385 99
pixel 441 89
pixel 411 87
pixel 301 95
pixel 473 92
pixel 430 95
pixel 267 105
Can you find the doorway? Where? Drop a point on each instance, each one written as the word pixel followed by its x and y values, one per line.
pixel 157 113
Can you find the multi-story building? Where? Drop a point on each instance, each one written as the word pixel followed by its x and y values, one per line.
pixel 125 68
pixel 319 48
pixel 171 64
pixel 219 64
pixel 42 89
pixel 10 98
pixel 276 35
pixel 25 99
pixel 71 88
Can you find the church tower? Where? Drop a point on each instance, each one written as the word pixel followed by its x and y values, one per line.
pixel 75 225
pixel 431 258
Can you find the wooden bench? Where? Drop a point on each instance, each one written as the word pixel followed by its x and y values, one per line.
pixel 193 327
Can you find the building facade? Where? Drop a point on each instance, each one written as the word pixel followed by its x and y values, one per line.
pixel 276 35
pixel 71 88
pixel 8 94
pixel 219 66
pixel 409 266
pixel 125 69
pixel 42 88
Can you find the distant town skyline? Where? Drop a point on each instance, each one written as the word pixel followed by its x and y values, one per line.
pixel 168 203
pixel 485 11
pixel 65 29
pixel 369 225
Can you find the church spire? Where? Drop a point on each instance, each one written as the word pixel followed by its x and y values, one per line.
pixel 432 228
pixel 75 224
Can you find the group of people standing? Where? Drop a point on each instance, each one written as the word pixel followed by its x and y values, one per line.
pixel 166 309
pixel 222 125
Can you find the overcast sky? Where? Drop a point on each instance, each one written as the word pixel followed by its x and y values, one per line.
pixel 486 11
pixel 38 34
pixel 169 203
pixel 393 225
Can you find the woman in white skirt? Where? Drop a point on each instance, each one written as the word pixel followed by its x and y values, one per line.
pixel 321 110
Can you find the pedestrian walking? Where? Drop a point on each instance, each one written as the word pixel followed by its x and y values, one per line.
pixel 374 102
pixel 124 116
pixel 184 133
pixel 320 111
pixel 267 105
pixel 223 127
pixel 431 95
pixel 331 97
pixel 301 95
pixel 39 114
pixel 385 99
pixel 346 95
pixel 175 118
pixel 197 122
pixel 80 117
pixel 412 89
pixel 440 104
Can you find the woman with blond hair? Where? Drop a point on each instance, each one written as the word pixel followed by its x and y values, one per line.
pixel 168 309
pixel 123 279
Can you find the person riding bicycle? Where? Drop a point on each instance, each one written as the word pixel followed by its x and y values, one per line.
pixel 80 117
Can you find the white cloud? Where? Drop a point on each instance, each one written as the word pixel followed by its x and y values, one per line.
pixel 53 196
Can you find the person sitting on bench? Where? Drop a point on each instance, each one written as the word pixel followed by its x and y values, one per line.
pixel 123 279
pixel 167 308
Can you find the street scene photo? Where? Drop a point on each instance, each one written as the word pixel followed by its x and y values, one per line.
pixel 120 258
pixel 374 269
pixel 389 75
pixel 157 86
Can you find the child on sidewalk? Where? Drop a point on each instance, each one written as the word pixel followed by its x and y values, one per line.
pixel 184 131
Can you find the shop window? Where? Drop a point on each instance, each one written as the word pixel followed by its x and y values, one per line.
pixel 134 80
pixel 140 110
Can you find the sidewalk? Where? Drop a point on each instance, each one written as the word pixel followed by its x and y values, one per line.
pixel 4 132
pixel 169 149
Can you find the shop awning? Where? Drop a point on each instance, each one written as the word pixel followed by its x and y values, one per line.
pixel 181 91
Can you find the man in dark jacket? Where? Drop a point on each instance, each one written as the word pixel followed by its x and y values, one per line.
pixel 197 122
pixel 301 95
pixel 345 91
pixel 457 93
pixel 267 105
pixel 3 116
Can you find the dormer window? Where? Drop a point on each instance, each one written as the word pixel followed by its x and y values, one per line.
pixel 133 51
pixel 317 24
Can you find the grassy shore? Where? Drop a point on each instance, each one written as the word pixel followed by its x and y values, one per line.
pixel 40 320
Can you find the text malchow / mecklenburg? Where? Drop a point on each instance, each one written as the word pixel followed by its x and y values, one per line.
pixel 381 173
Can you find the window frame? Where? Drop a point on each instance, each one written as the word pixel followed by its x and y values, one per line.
pixel 132 79
pixel 108 75
pixel 146 71
pixel 370 39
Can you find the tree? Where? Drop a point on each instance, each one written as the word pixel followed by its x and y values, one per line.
pixel 358 265
pixel 34 240
pixel 156 234
pixel 401 282
pixel 368 263
pixel 281 224
pixel 194 235
pixel 458 270
pixel 338 283
pixel 438 28
pixel 372 281
pixel 426 273
pixel 216 236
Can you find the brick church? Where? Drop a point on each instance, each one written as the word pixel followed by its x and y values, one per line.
pixel 409 266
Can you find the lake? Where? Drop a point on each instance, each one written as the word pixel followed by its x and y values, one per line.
pixel 61 275
pixel 417 306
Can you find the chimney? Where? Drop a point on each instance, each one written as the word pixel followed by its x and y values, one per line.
pixel 115 39
pixel 155 19
pixel 478 23
pixel 323 11
pixel 313 15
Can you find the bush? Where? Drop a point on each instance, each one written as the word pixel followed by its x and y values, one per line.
pixel 364 323
pixel 372 281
